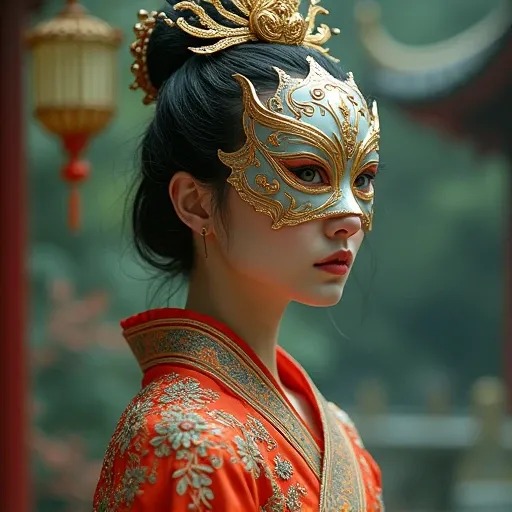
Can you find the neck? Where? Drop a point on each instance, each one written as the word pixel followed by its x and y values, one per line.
pixel 246 308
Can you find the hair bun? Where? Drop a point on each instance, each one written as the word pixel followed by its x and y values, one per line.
pixel 168 47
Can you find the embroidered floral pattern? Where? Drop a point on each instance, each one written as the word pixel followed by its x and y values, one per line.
pixel 260 433
pixel 169 418
pixel 283 468
pixel 253 425
pixel 132 423
pixel 250 455
pixel 174 418
pixel 254 430
pixel 277 501
pixel 195 476
pixel 193 339
pixel 179 430
pixel 131 483
pixel 293 497
pixel 188 393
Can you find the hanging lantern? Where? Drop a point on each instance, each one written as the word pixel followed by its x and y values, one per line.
pixel 74 70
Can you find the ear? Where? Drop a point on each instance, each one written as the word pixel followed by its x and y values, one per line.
pixel 191 201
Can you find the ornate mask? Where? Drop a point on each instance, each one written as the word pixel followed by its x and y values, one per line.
pixel 311 152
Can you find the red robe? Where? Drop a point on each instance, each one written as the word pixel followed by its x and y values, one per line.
pixel 212 429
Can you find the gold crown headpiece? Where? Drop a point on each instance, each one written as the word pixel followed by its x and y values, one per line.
pixel 271 21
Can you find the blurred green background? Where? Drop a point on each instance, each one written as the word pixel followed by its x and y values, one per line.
pixel 424 304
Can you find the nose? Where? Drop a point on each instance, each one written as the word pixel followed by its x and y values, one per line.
pixel 343 226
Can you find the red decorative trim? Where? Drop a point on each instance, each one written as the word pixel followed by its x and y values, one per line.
pixel 153 314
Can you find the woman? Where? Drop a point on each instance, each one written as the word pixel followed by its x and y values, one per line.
pixel 257 186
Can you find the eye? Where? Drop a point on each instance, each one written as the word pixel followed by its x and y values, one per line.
pixel 310 175
pixel 364 182
pixel 305 172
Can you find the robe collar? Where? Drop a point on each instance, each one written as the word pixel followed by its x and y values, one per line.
pixel 178 336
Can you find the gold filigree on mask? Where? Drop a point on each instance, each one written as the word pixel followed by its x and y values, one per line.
pixel 273 139
pixel 290 115
pixel 270 188
pixel 370 143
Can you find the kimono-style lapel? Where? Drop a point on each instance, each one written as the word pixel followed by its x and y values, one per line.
pixel 175 336
pixel 342 487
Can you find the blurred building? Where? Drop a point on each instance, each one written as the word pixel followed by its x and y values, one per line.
pixel 461 86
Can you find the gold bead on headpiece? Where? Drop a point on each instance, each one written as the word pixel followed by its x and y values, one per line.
pixel 270 21
pixel 138 49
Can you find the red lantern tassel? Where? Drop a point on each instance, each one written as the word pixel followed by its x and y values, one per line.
pixel 75 172
pixel 74 208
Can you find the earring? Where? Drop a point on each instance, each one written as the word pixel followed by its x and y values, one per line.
pixel 203 234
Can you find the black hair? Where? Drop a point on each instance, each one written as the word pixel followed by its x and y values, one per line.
pixel 198 111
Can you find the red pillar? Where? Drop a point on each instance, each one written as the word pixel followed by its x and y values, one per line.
pixel 14 486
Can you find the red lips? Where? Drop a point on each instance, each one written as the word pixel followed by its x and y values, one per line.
pixel 338 258
pixel 337 263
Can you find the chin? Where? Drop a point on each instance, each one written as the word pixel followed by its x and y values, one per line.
pixel 322 297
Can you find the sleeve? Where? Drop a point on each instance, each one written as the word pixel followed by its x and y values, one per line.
pixel 178 462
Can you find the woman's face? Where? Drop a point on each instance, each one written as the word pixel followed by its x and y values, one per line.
pixel 302 186
pixel 285 261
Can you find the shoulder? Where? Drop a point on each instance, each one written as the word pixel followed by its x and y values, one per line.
pixel 172 445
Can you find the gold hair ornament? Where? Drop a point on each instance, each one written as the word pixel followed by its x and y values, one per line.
pixel 143 29
pixel 270 21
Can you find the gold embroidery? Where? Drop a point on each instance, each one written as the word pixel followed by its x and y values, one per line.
pixel 344 418
pixel 249 454
pixel 198 445
pixel 260 433
pixel 277 501
pixel 133 479
pixel 182 341
pixel 132 423
pixel 293 498
pixel 283 468
pixel 342 485
pixel 178 430
pixel 253 460
pixel 188 393
pixel 253 425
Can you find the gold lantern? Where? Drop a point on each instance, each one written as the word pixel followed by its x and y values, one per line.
pixel 74 70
